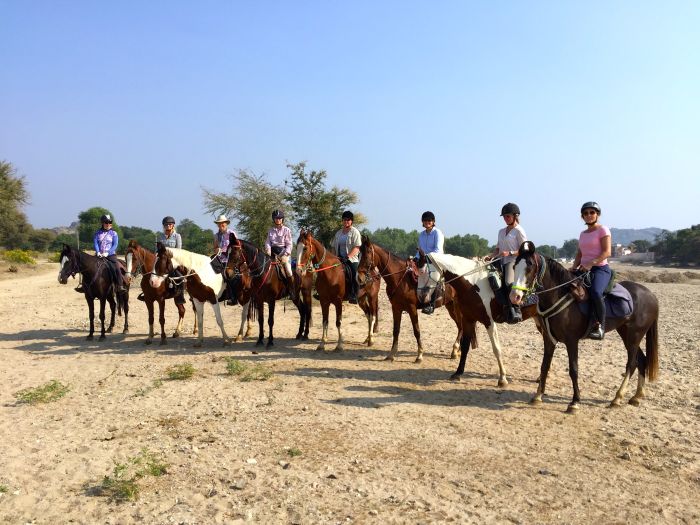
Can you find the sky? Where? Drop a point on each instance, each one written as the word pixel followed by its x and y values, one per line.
pixel 451 106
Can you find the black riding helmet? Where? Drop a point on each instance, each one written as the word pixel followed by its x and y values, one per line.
pixel 168 220
pixel 106 218
pixel 348 215
pixel 591 205
pixel 277 214
pixel 427 216
pixel 510 209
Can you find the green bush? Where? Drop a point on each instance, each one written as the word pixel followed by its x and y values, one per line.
pixel 177 372
pixel 51 391
pixel 54 257
pixel 19 256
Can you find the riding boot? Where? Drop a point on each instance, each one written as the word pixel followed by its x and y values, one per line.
pixel 80 288
pixel 598 330
pixel 180 296
pixel 141 297
pixel 429 308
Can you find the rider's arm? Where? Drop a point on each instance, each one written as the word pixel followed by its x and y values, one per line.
pixel 178 241
pixel 287 242
pixel 439 242
pixel 96 242
pixel 115 243
pixel 577 260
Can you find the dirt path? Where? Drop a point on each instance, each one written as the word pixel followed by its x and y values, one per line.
pixel 339 438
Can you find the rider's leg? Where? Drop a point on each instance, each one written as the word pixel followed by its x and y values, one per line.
pixel 514 313
pixel 116 273
pixel 354 285
pixel 600 277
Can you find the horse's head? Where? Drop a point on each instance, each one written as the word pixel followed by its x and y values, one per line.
pixel 132 250
pixel 305 252
pixel 237 263
pixel 527 267
pixel 429 275
pixel 368 261
pixel 70 264
pixel 162 266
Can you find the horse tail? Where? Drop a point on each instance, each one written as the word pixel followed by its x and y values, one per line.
pixel 253 310
pixel 120 303
pixel 652 349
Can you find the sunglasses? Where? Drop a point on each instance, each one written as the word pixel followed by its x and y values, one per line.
pixel 590 212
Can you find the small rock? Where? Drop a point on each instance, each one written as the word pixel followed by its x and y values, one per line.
pixel 239 484
pixel 626 456
pixel 545 472
pixel 284 464
pixel 373 512
pixel 331 476
pixel 252 461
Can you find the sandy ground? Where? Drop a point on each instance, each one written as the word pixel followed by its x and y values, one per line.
pixel 339 438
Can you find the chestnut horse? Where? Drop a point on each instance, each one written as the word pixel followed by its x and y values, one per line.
pixel 261 278
pixel 97 284
pixel 477 301
pixel 140 260
pixel 401 289
pixel 203 284
pixel 563 321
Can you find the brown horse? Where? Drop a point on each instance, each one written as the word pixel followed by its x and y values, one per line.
pixel 563 321
pixel 261 279
pixel 97 284
pixel 141 260
pixel 476 299
pixel 401 289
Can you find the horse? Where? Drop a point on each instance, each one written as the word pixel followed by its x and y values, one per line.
pixel 261 279
pixel 97 284
pixel 401 289
pixel 563 321
pixel 139 260
pixel 203 284
pixel 476 299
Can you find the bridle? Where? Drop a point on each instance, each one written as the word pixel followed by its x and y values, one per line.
pixel 380 272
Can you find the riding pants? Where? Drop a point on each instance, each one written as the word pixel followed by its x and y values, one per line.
pixel 113 265
pixel 600 278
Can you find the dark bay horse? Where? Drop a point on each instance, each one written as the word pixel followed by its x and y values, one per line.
pixel 475 297
pixel 203 284
pixel 141 260
pixel 563 321
pixel 401 289
pixel 261 279
pixel 97 284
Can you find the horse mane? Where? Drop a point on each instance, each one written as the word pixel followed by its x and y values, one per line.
pixel 253 253
pixel 557 270
pixel 457 265
pixel 366 243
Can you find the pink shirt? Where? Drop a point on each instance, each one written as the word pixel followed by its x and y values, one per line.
pixel 590 245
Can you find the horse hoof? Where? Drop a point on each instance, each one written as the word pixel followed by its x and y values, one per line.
pixel 125 331
pixel 198 345
pixel 338 349
pixel 389 358
pixel 536 401
pixel 102 338
pixel 147 342
pixel 419 359
pixel 320 348
pixel 615 403
pixel 634 401
pixel 572 408
pixel 269 345
pixel 456 377
pixel 176 334
pixel 89 338
pixel 305 337
pixel 259 343
pixel 238 339
pixel 298 336
pixel 502 383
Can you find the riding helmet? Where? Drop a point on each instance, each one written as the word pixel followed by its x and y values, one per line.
pixel 348 215
pixel 510 209
pixel 106 218
pixel 592 205
pixel 168 220
pixel 427 216
pixel 277 214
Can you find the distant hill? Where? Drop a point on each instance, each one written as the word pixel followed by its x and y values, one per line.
pixel 66 229
pixel 626 236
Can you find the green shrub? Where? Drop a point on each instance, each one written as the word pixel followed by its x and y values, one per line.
pixel 54 257
pixel 178 372
pixel 51 391
pixel 234 367
pixel 19 256
pixel 122 484
pixel 256 373
pixel 294 452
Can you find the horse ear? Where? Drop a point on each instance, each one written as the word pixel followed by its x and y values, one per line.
pixel 160 247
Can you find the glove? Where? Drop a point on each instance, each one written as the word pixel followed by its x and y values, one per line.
pixel 99 254
pixel 105 254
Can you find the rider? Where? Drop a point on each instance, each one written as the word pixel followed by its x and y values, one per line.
pixel 221 240
pixel 509 240
pixel 106 241
pixel 430 240
pixel 594 248
pixel 171 239
pixel 279 244
pixel 346 245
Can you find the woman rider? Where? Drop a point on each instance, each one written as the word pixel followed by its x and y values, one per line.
pixel 279 244
pixel 106 241
pixel 509 240
pixel 346 245
pixel 221 241
pixel 594 248
pixel 171 239
pixel 430 240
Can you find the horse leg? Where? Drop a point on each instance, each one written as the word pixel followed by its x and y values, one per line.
pixel 270 323
pixel 301 308
pixel 465 345
pixel 338 322
pixel 572 351
pixel 220 322
pixel 125 305
pixel 396 312
pixel 244 318
pixel 544 370
pixel 112 308
pixel 324 333
pixel 199 323
pixel 635 359
pixel 149 307
pixel 496 346
pixel 91 316
pixel 413 314
pixel 180 319
pixel 161 319
pixel 641 380
pixel 455 314
pixel 102 318
pixel 367 309
pixel 260 305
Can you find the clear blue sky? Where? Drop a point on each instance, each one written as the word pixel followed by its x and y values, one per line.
pixel 456 107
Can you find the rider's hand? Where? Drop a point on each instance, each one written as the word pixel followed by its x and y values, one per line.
pixel 505 253
pixel 488 258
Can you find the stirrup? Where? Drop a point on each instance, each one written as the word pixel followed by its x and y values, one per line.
pixel 428 309
pixel 597 333
pixel 141 297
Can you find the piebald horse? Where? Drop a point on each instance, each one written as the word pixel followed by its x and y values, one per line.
pixel 563 321
pixel 203 284
pixel 476 299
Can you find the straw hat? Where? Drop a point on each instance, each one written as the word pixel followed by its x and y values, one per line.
pixel 222 218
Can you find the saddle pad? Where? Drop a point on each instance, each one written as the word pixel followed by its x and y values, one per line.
pixel 618 303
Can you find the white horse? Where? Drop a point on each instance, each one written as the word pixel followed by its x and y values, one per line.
pixel 203 284
pixel 474 297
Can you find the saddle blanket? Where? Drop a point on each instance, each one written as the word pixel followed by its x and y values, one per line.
pixel 618 303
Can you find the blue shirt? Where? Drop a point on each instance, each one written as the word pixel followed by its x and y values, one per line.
pixel 431 242
pixel 106 241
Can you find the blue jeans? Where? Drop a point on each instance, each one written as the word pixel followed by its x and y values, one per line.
pixel 600 278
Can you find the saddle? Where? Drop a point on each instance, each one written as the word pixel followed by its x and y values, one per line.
pixel 618 301
pixel 579 291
